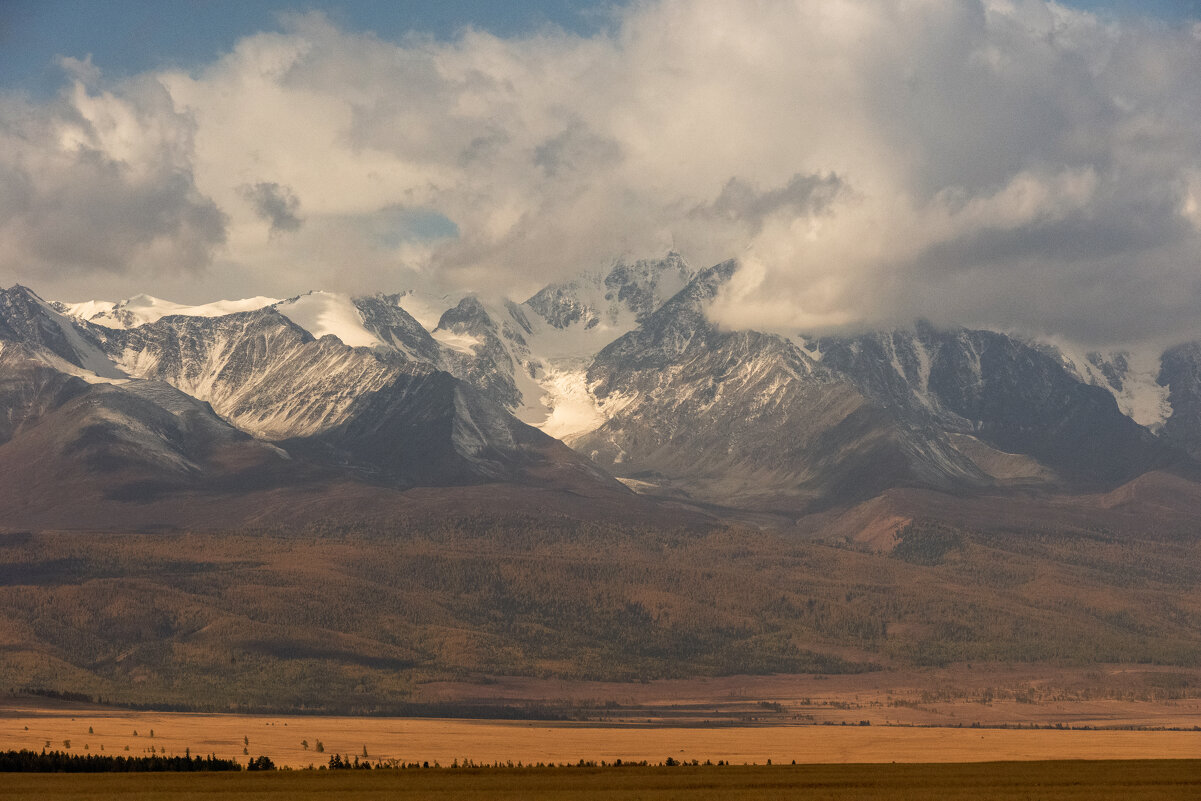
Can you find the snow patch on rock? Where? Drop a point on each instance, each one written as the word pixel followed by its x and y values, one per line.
pixel 1131 376
pixel 572 409
pixel 463 343
pixel 426 308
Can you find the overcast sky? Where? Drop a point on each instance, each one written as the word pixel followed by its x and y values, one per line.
pixel 1005 163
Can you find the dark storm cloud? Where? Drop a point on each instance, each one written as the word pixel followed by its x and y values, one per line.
pixel 277 205
pixel 576 149
pixel 743 202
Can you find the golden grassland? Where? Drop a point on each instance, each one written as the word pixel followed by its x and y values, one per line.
pixel 1047 781
pixel 284 738
pixel 1043 696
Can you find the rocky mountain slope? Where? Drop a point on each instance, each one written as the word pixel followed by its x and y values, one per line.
pixel 745 417
pixel 1001 392
pixel 534 356
pixel 1180 373
pixel 677 407
pixel 77 454
pixel 847 418
pixel 247 400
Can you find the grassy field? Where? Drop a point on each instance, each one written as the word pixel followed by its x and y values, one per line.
pixel 1047 781
pixel 293 740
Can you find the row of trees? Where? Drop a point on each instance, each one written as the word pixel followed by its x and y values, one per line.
pixel 25 761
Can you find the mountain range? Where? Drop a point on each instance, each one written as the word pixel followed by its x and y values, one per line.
pixel 612 390
pixel 341 503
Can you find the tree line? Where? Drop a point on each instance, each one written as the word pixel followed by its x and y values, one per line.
pixel 25 761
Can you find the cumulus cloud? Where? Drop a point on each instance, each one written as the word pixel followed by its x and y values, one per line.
pixel 101 182
pixel 1009 163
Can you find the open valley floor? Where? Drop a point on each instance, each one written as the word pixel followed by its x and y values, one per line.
pixel 303 741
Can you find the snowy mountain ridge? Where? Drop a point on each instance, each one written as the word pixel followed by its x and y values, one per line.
pixel 535 355
pixel 141 309
pixel 381 407
pixel 625 367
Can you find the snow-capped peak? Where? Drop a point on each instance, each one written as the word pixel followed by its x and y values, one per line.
pixel 321 313
pixel 142 309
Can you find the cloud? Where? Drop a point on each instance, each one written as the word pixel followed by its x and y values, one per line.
pixel 803 196
pixel 275 204
pixel 101 182
pixel 577 149
pixel 1010 163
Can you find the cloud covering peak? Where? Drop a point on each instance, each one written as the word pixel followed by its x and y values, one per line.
pixel 1008 163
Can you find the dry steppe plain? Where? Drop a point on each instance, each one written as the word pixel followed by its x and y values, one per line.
pixel 292 741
